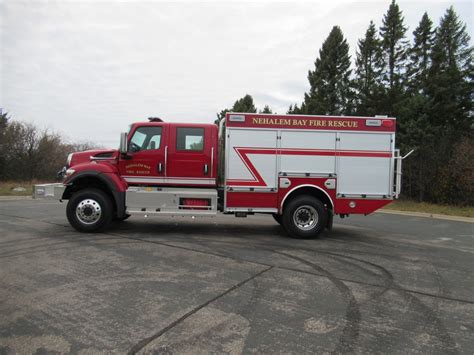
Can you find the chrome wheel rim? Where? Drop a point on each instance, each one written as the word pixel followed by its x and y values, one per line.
pixel 88 211
pixel 305 217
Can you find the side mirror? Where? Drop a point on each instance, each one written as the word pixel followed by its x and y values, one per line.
pixel 123 143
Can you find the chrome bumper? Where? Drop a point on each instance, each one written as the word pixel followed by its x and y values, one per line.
pixel 48 191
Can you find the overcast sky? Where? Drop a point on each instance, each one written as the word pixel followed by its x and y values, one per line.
pixel 86 69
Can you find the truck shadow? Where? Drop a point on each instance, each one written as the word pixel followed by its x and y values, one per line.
pixel 261 229
pixel 224 229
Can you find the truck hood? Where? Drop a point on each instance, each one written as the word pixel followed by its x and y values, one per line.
pixel 89 155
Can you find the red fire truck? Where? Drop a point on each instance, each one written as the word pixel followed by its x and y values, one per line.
pixel 303 170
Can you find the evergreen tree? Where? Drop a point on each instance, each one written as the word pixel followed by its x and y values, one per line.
pixel 295 110
pixel 450 84
pixel 330 92
pixel 420 55
pixel 368 73
pixel 449 93
pixel 394 47
pixel 266 109
pixel 415 130
pixel 244 104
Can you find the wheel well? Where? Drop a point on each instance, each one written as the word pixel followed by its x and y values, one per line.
pixel 309 191
pixel 88 182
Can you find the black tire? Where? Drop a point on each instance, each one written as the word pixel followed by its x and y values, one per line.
pixel 121 219
pixel 309 212
pixel 277 217
pixel 89 210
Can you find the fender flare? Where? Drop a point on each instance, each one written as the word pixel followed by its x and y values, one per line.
pixel 302 186
pixel 330 213
pixel 118 196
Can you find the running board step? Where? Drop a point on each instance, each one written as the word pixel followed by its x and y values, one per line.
pixel 171 201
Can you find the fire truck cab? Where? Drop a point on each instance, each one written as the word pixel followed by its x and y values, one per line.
pixel 300 169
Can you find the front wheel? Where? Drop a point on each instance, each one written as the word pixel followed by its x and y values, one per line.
pixel 89 210
pixel 304 217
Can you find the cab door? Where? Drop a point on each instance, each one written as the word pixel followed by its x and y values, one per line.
pixel 146 157
pixel 190 155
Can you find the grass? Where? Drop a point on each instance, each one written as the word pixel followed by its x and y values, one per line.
pixel 6 188
pixel 424 207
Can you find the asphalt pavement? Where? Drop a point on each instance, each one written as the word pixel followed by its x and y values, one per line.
pixel 377 284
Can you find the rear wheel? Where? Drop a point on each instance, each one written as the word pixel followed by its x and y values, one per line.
pixel 89 210
pixel 304 217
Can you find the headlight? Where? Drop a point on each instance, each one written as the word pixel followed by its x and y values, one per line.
pixel 69 158
pixel 69 172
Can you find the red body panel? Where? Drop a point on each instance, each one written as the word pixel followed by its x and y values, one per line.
pixel 120 184
pixel 341 205
pixel 363 206
pixel 167 165
pixel 191 164
pixel 85 156
pixel 145 163
pixel 299 182
pixel 106 168
pixel 109 167
pixel 252 199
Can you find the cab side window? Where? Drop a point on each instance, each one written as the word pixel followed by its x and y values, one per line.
pixel 190 139
pixel 145 138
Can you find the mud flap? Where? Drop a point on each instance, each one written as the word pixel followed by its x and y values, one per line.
pixel 330 220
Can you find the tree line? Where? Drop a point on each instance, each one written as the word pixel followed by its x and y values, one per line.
pixel 28 153
pixel 425 81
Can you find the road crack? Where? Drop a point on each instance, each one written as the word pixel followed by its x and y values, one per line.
pixel 143 343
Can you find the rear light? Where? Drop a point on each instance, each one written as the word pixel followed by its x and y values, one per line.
pixel 387 123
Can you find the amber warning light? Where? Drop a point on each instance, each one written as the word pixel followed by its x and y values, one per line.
pixel 373 123
pixel 237 118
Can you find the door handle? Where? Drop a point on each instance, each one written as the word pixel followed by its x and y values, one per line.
pixel 206 170
pixel 160 168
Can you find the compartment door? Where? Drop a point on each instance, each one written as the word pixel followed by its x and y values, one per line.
pixel 251 157
pixel 364 164
pixel 308 152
